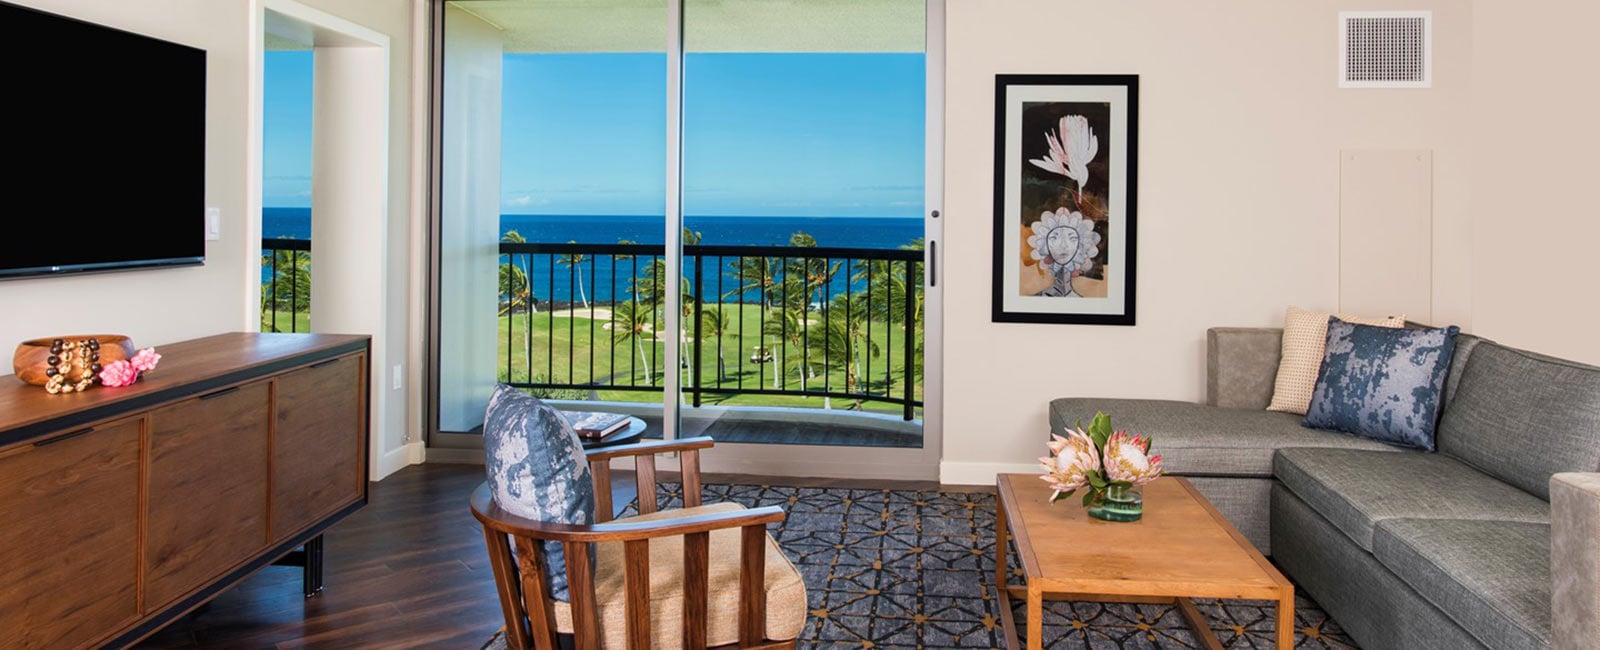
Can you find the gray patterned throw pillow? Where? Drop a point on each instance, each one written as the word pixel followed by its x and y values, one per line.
pixel 1381 383
pixel 537 470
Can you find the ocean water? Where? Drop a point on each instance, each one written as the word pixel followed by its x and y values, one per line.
pixel 848 232
pixel 600 280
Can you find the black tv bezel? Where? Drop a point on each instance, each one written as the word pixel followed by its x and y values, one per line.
pixel 127 265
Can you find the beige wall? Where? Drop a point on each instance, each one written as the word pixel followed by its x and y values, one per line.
pixel 163 306
pixel 160 306
pixel 394 18
pixel 1534 175
pixel 1241 126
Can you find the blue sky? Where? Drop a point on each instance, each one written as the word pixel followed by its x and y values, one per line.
pixel 286 130
pixel 764 134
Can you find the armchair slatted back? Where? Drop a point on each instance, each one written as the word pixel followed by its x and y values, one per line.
pixel 525 598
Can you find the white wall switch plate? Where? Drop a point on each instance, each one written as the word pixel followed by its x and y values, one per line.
pixel 213 224
pixel 399 377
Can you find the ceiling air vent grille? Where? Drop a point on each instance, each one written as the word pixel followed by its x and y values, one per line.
pixel 1386 49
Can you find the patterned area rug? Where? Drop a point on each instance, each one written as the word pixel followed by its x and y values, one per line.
pixel 914 570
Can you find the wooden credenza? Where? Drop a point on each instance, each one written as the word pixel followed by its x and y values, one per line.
pixel 122 509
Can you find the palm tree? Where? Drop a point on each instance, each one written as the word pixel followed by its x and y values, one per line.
pixel 754 274
pixel 571 260
pixel 716 323
pixel 515 289
pixel 841 341
pixel 637 322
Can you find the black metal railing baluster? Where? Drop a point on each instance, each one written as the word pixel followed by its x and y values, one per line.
pixel 612 319
pixel 527 317
pixel 550 319
pixel 867 373
pixel 272 300
pixel 592 300
pixel 910 356
pixel 699 324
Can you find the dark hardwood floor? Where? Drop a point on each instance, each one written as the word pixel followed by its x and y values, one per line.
pixel 407 571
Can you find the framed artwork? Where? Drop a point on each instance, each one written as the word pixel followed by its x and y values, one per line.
pixel 1065 194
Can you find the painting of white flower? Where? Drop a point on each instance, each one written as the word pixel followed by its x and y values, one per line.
pixel 1072 145
pixel 1065 195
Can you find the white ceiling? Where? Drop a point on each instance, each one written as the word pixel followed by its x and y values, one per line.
pixel 537 26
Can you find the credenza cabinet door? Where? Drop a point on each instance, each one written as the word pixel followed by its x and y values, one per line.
pixel 69 536
pixel 208 489
pixel 316 455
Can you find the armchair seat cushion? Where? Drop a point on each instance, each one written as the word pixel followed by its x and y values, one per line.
pixel 786 591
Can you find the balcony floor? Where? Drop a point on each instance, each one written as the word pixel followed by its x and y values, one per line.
pixel 798 432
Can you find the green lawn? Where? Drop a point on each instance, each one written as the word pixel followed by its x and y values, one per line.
pixel 572 348
pixel 286 321
pixel 575 349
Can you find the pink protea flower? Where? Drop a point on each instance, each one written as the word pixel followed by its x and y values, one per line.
pixel 145 360
pixel 1071 459
pixel 118 373
pixel 1126 457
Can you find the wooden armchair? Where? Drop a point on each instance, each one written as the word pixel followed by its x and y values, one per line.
pixel 690 562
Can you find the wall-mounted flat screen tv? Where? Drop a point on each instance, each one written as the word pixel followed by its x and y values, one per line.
pixel 102 138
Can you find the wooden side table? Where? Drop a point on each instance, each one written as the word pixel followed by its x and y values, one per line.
pixel 1181 549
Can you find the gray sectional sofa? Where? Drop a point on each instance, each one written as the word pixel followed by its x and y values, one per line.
pixel 1493 541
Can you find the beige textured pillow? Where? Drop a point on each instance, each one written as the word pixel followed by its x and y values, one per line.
pixel 1305 334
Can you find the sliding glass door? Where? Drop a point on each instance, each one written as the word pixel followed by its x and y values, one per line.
pixel 803 190
pixel 712 215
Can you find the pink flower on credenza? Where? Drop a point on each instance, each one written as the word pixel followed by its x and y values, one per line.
pixel 118 373
pixel 145 360
pixel 126 371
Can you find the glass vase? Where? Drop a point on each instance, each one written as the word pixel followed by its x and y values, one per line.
pixel 1119 503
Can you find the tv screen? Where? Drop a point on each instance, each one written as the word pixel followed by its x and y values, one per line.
pixel 102 138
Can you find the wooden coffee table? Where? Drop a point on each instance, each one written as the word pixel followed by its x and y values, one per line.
pixel 1182 549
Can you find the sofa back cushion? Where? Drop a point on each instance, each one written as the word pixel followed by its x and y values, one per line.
pixel 1522 417
pixel 1465 343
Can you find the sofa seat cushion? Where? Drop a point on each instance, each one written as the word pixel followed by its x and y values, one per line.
pixel 1199 440
pixel 1355 490
pixel 786 590
pixel 1491 577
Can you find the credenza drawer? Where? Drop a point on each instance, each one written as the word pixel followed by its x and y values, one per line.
pixel 319 408
pixel 208 489
pixel 69 513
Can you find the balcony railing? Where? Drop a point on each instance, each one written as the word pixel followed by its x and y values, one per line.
pixel 285 285
pixel 762 325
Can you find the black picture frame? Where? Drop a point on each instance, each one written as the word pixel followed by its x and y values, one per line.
pixel 1093 113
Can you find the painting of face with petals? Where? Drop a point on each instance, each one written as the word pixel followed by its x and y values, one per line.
pixel 1064 201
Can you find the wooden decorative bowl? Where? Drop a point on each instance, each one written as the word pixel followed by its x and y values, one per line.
pixel 32 357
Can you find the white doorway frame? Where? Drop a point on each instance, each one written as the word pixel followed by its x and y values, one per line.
pixel 350 178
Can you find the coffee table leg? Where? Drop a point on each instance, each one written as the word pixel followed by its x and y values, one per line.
pixel 1000 577
pixel 1286 621
pixel 1035 618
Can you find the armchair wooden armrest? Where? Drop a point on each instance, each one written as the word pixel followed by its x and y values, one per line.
pixel 530 611
pixel 644 465
pixel 492 516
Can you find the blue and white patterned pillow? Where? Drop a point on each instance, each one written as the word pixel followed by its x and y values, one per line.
pixel 537 470
pixel 1382 383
